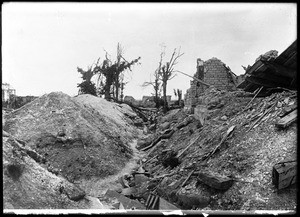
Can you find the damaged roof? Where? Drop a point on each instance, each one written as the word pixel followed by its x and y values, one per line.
pixel 272 73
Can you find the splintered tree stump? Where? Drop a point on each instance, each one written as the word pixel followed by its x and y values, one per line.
pixel 215 180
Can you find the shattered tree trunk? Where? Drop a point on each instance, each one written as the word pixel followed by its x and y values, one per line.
pixel 156 93
pixel 165 96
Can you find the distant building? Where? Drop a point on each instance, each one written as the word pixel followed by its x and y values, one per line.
pixel 11 100
pixel 7 92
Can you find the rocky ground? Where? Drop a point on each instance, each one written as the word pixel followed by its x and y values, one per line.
pixel 85 152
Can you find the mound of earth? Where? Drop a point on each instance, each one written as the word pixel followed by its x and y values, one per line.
pixel 79 137
pixel 27 184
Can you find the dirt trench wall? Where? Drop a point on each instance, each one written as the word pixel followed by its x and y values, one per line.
pixel 27 184
pixel 79 138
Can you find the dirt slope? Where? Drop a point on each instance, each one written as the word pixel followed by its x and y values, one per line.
pixel 27 184
pixel 78 138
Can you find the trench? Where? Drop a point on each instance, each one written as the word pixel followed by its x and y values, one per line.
pixel 96 187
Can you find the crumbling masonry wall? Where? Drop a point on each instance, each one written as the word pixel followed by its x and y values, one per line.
pixel 213 72
pixel 217 74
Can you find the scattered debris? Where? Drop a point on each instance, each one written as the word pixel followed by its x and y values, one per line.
pixel 185 181
pixel 125 201
pixel 257 92
pixel 228 133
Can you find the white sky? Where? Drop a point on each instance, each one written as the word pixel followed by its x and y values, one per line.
pixel 43 43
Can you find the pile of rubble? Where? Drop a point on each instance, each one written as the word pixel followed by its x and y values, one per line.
pixel 222 161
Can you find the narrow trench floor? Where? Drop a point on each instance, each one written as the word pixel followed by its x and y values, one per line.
pixel 96 187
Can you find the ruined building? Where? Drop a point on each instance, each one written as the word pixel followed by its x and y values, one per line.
pixel 10 100
pixel 213 72
pixel 7 92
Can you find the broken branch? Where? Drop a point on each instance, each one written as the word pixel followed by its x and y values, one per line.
pixel 202 82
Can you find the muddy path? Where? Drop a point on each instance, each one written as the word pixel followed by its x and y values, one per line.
pixel 97 187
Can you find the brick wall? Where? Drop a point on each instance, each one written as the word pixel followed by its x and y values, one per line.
pixel 215 73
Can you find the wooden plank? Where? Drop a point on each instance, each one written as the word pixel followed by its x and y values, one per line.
pixel 202 82
pixel 215 180
pixel 280 69
pixel 284 174
pixel 229 131
pixel 264 114
pixel 152 202
pixel 189 145
pixel 266 82
pixel 188 177
pixel 287 110
pixel 287 120
pixel 152 144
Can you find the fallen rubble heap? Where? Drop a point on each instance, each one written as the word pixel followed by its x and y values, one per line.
pixel 220 159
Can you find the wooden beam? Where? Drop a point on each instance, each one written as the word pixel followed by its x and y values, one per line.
pixel 257 65
pixel 287 120
pixel 280 69
pixel 270 75
pixel 265 82
pixel 202 82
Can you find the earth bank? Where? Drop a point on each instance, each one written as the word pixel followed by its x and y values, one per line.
pixel 70 139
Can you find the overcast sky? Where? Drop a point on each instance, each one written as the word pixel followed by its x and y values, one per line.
pixel 43 43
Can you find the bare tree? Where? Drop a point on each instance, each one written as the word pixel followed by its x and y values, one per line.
pixel 167 73
pixel 156 84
